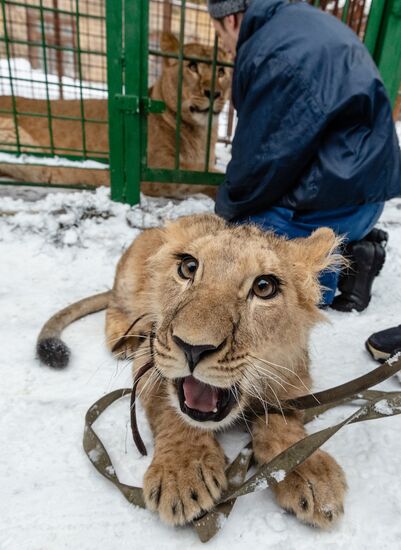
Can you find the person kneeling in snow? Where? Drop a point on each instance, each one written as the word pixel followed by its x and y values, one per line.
pixel 315 144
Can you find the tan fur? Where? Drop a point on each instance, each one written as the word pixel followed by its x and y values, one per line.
pixel 263 350
pixel 161 129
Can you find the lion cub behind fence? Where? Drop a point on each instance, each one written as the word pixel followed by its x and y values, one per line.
pixel 67 134
pixel 225 314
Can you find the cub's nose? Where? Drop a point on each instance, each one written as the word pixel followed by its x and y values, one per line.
pixel 194 354
pixel 208 93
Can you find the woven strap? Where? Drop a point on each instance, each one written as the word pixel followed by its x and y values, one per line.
pixel 379 404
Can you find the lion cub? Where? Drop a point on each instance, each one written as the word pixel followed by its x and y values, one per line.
pixel 225 313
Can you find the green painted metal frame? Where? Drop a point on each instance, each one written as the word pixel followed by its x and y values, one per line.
pixel 387 53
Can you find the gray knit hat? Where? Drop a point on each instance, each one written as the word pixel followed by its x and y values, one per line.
pixel 221 8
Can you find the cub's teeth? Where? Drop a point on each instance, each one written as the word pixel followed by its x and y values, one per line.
pixel 185 403
pixel 215 410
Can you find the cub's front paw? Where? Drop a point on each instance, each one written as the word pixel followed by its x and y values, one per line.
pixel 182 485
pixel 315 491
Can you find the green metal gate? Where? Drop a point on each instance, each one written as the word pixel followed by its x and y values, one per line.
pixel 67 43
pixel 129 103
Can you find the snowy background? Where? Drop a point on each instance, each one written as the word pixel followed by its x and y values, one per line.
pixel 58 248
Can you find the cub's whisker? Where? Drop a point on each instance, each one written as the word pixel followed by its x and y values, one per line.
pixel 287 369
pixel 233 391
pixel 264 373
pixel 130 335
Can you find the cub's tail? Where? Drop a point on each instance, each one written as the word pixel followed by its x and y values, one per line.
pixel 50 349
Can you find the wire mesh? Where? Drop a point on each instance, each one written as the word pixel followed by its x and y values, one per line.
pixel 52 51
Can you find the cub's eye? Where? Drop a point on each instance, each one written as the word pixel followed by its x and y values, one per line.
pixel 265 287
pixel 221 71
pixel 187 268
pixel 193 66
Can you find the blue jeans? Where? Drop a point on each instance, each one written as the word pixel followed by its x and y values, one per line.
pixel 353 222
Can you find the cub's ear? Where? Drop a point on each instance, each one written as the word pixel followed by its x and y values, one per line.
pixel 311 256
pixel 169 43
pixel 318 252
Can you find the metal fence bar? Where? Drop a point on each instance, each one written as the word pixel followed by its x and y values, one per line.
pixel 172 55
pixel 59 54
pixel 373 26
pixel 68 85
pixel 211 104
pixel 143 87
pixel 46 155
pixel 179 96
pixel 8 53
pixel 48 151
pixel 182 176
pixel 81 99
pixel 134 49
pixel 60 11
pixel 48 105
pixel 56 117
pixel 78 186
pixel 344 15
pixel 39 44
pixel 114 40
pixel 388 51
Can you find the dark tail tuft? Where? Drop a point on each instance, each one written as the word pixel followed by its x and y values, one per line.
pixel 53 352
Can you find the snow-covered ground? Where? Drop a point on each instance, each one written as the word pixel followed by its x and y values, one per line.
pixel 65 246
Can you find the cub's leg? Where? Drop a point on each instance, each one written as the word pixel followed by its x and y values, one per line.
pixel 315 491
pixel 187 473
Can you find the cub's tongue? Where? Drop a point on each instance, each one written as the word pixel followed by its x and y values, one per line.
pixel 199 396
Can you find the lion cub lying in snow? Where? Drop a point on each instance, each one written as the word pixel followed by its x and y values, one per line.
pixel 226 313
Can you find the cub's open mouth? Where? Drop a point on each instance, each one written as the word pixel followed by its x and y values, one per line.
pixel 202 402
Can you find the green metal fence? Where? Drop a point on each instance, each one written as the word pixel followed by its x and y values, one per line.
pixel 53 87
pixel 52 50
pixel 67 91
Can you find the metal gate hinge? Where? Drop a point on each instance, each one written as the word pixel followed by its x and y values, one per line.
pixel 133 105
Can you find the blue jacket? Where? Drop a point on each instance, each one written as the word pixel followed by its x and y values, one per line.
pixel 315 128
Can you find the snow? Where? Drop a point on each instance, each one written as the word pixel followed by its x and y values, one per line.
pixel 384 407
pixel 58 248
pixel 394 358
pixel 51 161
pixel 30 82
pixel 278 475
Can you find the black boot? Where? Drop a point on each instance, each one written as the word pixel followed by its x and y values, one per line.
pixel 382 345
pixel 367 259
pixel 377 236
